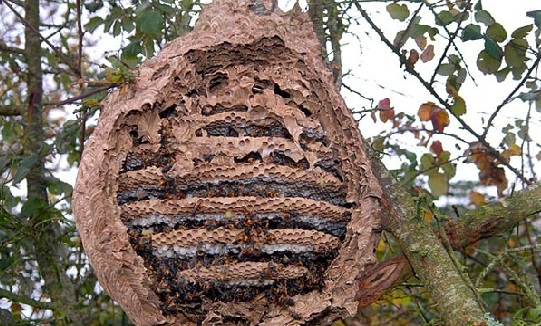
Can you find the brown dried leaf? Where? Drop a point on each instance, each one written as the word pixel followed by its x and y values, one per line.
pixel 428 53
pixel 414 57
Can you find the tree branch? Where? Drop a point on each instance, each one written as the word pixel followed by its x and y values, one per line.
pixel 91 92
pixel 456 297
pixel 410 69
pixel 11 110
pixel 35 29
pixel 26 300
pixel 509 97
pixel 481 223
pixel 10 49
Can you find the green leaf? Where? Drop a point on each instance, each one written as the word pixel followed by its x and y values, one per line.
pixel 493 49
pixel 439 184
pixel 478 5
pixel 93 6
pixel 497 32
pixel 5 263
pixel 58 187
pixel 66 138
pixel 93 23
pixel 400 12
pixel 515 52
pixel 501 74
pixel 4 162
pixel 487 64
pixel 150 22
pixel 537 18
pixel 117 28
pixel 32 207
pixel 454 59
pixel 521 32
pixel 167 9
pixel 427 164
pixel 132 50
pixel 128 25
pixel 510 138
pixel 24 167
pixel 518 71
pixel 446 69
pixel 462 73
pixel 471 32
pixel 444 17
pixel 449 169
pixel 459 106
pixel 483 16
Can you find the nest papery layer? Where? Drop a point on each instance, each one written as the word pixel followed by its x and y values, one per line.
pixel 229 183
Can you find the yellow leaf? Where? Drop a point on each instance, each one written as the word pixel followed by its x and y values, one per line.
pixel 477 199
pixel 428 216
pixel 381 245
pixel 424 111
pixel 515 150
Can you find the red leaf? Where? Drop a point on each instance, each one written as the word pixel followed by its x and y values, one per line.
pixel 384 104
pixel 385 111
pixel 439 118
pixel 436 147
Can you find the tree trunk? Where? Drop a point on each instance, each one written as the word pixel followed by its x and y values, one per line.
pixel 457 299
pixel 49 252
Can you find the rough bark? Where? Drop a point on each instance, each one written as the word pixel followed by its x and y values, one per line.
pixel 325 16
pixel 49 253
pixel 458 302
pixel 481 223
pixel 494 218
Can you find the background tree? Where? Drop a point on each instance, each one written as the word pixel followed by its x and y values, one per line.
pixel 45 65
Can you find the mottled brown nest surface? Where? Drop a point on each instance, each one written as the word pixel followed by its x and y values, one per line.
pixel 229 184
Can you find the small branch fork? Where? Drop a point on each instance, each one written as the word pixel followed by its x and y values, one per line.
pixel 63 57
pixel 410 69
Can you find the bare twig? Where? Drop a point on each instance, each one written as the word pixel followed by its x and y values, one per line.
pixel 26 300
pixel 63 57
pixel 10 49
pixel 410 69
pixel 511 95
pixel 82 96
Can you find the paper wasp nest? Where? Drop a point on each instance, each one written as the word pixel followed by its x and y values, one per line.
pixel 229 184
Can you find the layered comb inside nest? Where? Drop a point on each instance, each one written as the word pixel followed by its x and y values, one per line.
pixel 240 198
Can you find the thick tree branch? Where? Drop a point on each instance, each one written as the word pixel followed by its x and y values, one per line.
pixel 493 219
pixel 457 300
pixel 481 223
